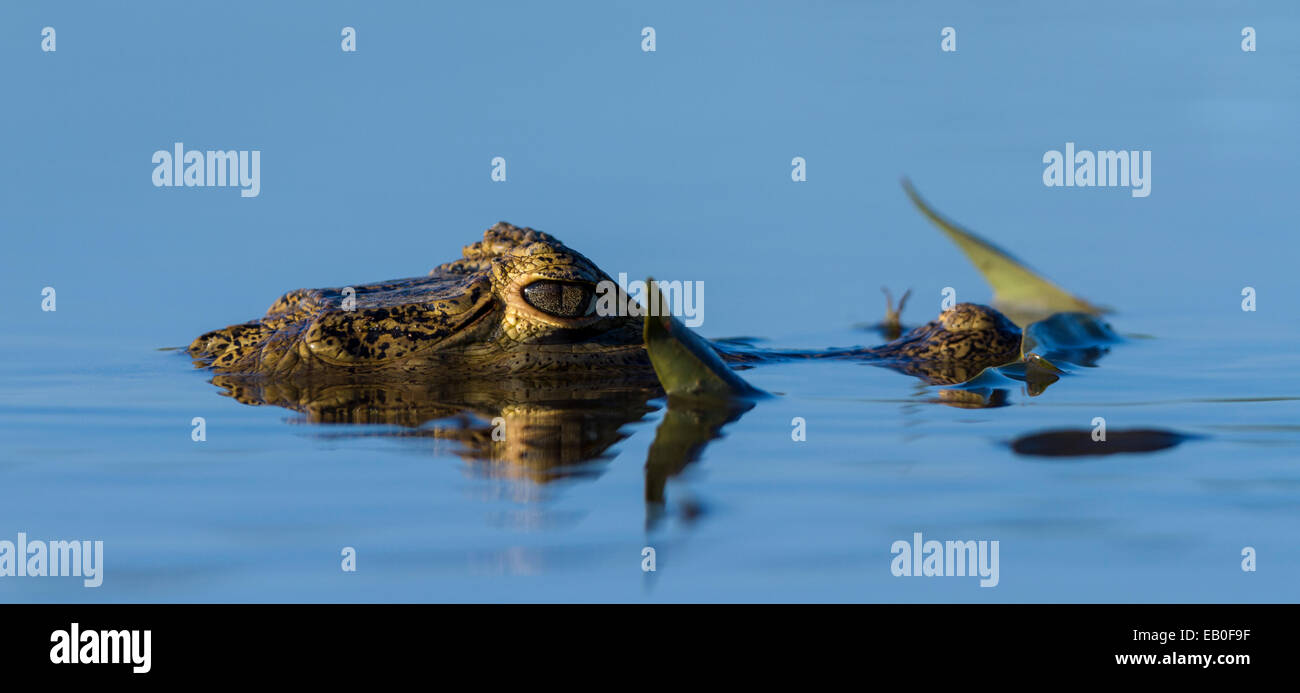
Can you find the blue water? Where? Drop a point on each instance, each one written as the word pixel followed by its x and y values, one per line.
pixel 674 163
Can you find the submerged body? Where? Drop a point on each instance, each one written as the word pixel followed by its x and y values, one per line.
pixel 521 303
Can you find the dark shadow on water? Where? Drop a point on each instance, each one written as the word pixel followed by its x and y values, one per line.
pixel 1080 442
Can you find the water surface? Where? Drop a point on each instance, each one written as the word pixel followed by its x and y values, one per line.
pixel 676 164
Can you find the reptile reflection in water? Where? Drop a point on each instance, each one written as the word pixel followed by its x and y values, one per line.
pixel 536 430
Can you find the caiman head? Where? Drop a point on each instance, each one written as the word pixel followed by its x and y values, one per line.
pixel 519 301
pixel 954 347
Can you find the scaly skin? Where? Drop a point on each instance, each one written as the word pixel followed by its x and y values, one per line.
pixel 468 317
pixel 954 347
pixel 471 318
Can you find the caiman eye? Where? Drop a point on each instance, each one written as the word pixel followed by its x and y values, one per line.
pixel 561 299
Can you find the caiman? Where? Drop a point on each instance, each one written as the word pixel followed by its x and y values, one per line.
pixel 507 352
pixel 520 303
